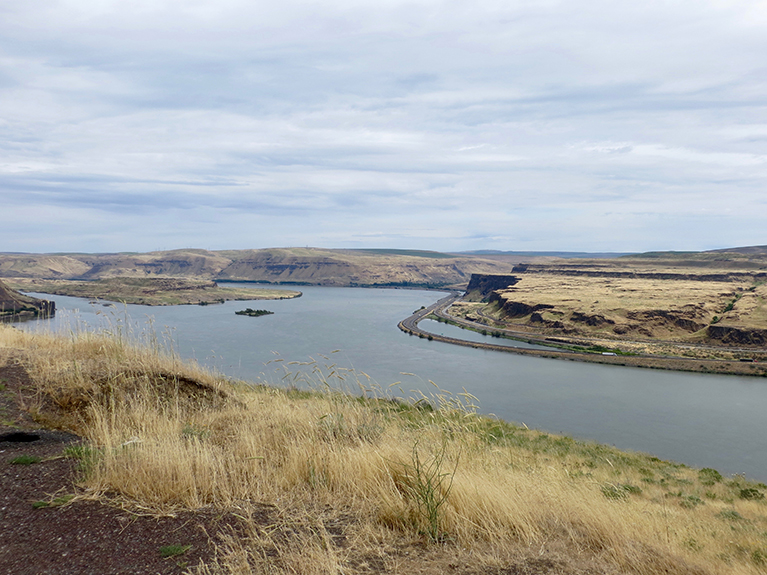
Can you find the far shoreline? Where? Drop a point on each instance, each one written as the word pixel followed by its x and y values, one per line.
pixel 150 291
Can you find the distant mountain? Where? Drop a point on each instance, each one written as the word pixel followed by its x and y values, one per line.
pixel 312 266
pixel 750 250
pixel 749 257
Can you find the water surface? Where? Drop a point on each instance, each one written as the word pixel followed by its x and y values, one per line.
pixel 702 420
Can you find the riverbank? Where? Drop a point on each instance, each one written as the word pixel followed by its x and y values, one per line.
pixel 698 365
pixel 150 291
pixel 319 482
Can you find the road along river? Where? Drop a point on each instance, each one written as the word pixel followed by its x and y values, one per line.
pixel 543 346
pixel 702 420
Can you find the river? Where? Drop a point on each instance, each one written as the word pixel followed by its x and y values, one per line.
pixel 698 419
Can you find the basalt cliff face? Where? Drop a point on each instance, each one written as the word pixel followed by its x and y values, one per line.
pixel 481 286
pixel 15 305
pixel 730 335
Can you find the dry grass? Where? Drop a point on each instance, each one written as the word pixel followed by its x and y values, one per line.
pixel 614 298
pixel 330 482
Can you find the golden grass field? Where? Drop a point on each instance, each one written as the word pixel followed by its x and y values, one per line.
pixel 352 476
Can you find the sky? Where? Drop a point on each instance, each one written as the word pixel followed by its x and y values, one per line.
pixel 139 125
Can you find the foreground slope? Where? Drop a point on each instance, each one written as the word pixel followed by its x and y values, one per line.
pixel 311 482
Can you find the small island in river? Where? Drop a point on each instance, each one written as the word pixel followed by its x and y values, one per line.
pixel 254 312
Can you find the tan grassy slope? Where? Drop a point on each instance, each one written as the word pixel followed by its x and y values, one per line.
pixel 649 307
pixel 713 298
pixel 348 484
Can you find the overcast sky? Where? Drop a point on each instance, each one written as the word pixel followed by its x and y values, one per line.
pixel 139 125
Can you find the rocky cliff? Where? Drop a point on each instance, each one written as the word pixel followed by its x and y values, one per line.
pixel 482 285
pixel 614 300
pixel 15 305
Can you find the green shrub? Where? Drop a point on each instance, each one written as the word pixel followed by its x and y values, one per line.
pixel 428 486
pixel 708 476
pixel 730 515
pixel 751 494
pixel 691 501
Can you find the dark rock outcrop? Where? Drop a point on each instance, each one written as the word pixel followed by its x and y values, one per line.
pixel 518 308
pixel 685 320
pixel 15 305
pixel 737 336
pixel 592 320
pixel 484 284
pixel 587 270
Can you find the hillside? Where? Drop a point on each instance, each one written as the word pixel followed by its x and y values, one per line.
pixel 278 265
pixel 14 305
pixel 163 459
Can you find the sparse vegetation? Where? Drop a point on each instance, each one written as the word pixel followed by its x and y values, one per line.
pixel 168 551
pixel 333 458
pixel 54 501
pixel 25 460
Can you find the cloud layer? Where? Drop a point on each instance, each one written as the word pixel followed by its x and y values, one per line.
pixel 441 125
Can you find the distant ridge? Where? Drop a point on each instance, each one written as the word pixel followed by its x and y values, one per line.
pixel 753 253
pixel 532 254
pixel 748 250
pixel 289 266
pixel 402 252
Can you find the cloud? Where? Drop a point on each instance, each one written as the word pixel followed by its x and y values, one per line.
pixel 428 124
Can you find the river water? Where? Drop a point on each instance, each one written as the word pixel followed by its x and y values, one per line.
pixel 701 420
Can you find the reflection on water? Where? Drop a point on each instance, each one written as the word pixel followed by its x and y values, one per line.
pixel 449 330
pixel 703 420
